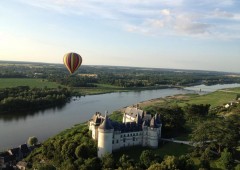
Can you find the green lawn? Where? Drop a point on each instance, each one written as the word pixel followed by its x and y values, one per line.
pixel 168 148
pixel 38 83
pixel 217 98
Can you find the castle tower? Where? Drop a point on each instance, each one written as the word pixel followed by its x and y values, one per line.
pixel 153 134
pixel 159 124
pixel 105 137
pixel 145 133
pixel 138 119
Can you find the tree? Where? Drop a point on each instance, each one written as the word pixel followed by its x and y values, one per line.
pixel 184 162
pixel 92 163
pixel 170 163
pixel 156 166
pixel 237 167
pixel 107 161
pixel 226 160
pixel 217 137
pixel 32 141
pixel 82 151
pixel 125 161
pixel 147 157
pixel 204 164
pixel 193 110
pixel 46 167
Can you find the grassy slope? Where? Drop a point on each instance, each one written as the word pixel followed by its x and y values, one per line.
pixel 217 98
pixel 14 82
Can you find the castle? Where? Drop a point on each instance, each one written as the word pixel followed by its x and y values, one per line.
pixel 137 128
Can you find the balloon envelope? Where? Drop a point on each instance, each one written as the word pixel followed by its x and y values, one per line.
pixel 72 61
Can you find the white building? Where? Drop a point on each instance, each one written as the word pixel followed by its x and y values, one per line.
pixel 138 128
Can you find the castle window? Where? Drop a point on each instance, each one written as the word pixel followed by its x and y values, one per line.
pixel 134 134
pixel 117 141
pixel 133 138
pixel 124 135
pixel 121 136
pixel 128 135
pixel 113 142
pixel 123 140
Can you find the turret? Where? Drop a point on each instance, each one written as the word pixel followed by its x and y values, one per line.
pixel 138 120
pixel 159 124
pixel 105 137
pixel 153 134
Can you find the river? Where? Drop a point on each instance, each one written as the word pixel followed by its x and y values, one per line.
pixel 15 129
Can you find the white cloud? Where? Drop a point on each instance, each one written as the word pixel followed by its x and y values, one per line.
pixel 222 14
pixel 165 12
pixel 186 25
pixel 176 17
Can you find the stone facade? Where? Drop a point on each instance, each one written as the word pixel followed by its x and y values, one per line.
pixel 138 128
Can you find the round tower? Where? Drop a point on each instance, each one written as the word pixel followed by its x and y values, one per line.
pixel 153 134
pixel 105 137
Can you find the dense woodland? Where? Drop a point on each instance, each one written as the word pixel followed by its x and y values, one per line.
pixel 22 98
pixel 118 76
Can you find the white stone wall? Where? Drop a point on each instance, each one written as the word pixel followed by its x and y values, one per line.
pixel 127 139
pixel 104 141
pixel 153 137
pixel 127 118
pixel 94 130
pixel 109 140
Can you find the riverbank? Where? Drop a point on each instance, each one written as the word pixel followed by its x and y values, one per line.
pixel 216 98
pixel 15 128
pixel 164 148
pixel 103 89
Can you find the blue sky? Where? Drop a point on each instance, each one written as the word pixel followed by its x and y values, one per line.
pixel 184 34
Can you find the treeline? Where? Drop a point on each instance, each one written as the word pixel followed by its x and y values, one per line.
pixel 74 149
pixel 126 77
pixel 23 98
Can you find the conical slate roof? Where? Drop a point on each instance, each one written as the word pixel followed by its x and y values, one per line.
pixel 157 118
pixel 153 123
pixel 106 124
pixel 138 119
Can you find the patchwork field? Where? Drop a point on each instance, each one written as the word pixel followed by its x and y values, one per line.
pixel 38 83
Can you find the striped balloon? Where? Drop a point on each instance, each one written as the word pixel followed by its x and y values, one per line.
pixel 72 61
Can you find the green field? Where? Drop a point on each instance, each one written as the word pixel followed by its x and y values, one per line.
pixel 217 98
pixel 38 83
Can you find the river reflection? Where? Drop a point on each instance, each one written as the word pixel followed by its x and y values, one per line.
pixel 16 129
pixel 18 116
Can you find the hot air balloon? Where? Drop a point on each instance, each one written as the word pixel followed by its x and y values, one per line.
pixel 72 61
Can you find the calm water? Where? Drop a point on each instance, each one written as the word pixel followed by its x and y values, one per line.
pixel 16 129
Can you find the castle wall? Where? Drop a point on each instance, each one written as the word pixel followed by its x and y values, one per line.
pixel 127 118
pixel 153 137
pixel 110 140
pixel 122 140
pixel 104 141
